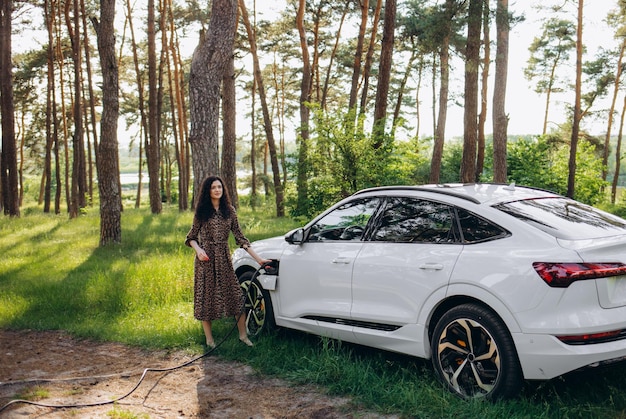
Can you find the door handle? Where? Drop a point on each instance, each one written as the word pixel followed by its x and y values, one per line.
pixel 344 261
pixel 431 266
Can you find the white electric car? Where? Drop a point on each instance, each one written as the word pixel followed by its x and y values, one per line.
pixel 495 283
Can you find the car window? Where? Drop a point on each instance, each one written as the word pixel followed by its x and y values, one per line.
pixel 565 218
pixel 411 220
pixel 476 229
pixel 347 222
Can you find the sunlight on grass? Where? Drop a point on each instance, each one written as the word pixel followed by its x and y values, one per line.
pixel 12 307
pixel 119 413
pixel 33 393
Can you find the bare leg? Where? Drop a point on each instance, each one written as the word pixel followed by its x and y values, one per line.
pixel 206 325
pixel 243 333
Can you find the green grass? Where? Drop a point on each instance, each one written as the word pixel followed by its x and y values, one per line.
pixel 53 275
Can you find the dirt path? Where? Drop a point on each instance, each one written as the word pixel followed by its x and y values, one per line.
pixel 74 372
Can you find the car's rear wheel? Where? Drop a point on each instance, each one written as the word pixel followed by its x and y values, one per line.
pixel 257 305
pixel 474 355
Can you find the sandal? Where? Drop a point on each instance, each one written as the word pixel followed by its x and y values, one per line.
pixel 246 341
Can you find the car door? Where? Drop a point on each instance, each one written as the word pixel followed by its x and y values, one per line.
pixel 411 255
pixel 315 276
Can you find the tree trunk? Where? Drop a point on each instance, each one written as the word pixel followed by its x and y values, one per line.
pixel 500 119
pixel 278 187
pixel 107 163
pixel 405 78
pixel 571 179
pixel 49 17
pixel 358 55
pixel 333 55
pixel 369 58
pixel 90 102
pixel 8 160
pixel 618 154
pixel 79 173
pixel 384 73
pixel 484 90
pixel 143 120
pixel 616 86
pixel 229 124
pixel 208 65
pixel 178 98
pixel 470 123
pixel 302 202
pixel 152 144
pixel 444 71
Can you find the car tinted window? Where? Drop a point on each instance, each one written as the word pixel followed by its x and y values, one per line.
pixel 565 218
pixel 476 229
pixel 410 220
pixel 346 222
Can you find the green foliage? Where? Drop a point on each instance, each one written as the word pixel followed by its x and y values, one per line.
pixel 342 159
pixel 451 163
pixel 543 162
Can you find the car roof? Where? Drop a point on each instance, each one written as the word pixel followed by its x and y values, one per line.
pixel 478 193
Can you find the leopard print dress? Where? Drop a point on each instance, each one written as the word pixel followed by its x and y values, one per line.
pixel 216 290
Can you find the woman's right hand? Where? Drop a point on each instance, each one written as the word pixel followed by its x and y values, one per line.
pixel 202 255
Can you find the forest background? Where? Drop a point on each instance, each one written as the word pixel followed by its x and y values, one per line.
pixel 316 99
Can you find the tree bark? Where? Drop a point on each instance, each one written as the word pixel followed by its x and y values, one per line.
pixel 571 178
pixel 229 124
pixel 369 58
pixel 484 90
pixel 384 73
pixel 91 103
pixel 8 160
pixel 500 119
pixel 208 65
pixel 302 202
pixel 616 88
pixel 152 143
pixel 49 17
pixel 444 71
pixel 107 163
pixel 358 55
pixel 470 123
pixel 79 173
pixel 618 153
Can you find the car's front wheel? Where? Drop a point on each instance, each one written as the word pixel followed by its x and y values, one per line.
pixel 474 355
pixel 257 304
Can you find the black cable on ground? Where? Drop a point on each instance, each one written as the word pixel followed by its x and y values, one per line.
pixel 143 376
pixel 103 403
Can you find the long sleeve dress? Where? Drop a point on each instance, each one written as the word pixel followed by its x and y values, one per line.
pixel 217 292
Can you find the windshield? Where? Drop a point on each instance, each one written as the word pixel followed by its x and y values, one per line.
pixel 565 218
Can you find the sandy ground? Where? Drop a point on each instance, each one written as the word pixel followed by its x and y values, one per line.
pixel 56 369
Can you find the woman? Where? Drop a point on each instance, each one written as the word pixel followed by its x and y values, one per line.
pixel 217 292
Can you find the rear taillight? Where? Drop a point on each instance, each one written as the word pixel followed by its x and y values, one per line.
pixel 561 275
pixel 590 338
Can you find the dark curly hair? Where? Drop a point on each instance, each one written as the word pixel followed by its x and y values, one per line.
pixel 204 208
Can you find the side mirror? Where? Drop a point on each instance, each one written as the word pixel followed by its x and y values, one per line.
pixel 295 236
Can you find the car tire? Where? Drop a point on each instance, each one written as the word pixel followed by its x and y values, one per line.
pixel 257 305
pixel 474 356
